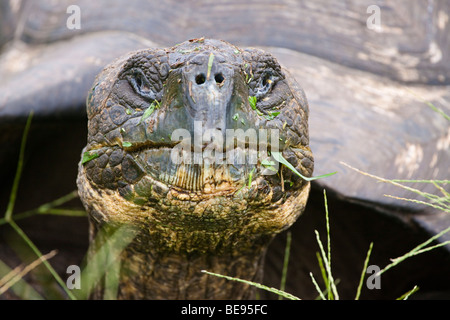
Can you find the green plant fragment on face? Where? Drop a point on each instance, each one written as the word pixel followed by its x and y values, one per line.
pixel 236 117
pixel 88 156
pixel 268 164
pixel 247 78
pixel 252 101
pixel 250 176
pixel 185 51
pixel 290 182
pixel 210 62
pixel 149 111
pixel 126 144
pixel 279 157
pixel 271 115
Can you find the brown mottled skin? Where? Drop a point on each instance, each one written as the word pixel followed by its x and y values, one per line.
pixel 192 217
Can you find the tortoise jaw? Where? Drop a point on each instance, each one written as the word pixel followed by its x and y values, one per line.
pixel 215 167
pixel 205 177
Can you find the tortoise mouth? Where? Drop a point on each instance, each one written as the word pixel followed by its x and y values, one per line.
pixel 200 171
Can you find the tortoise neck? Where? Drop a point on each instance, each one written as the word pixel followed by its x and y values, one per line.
pixel 147 272
pixel 180 276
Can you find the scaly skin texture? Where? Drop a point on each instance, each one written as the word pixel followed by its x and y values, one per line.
pixel 217 214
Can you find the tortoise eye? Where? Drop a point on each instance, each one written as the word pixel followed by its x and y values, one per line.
pixel 265 84
pixel 141 85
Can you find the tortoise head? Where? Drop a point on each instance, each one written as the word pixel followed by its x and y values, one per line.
pixel 180 144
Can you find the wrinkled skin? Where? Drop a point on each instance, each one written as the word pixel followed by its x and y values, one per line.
pixel 191 214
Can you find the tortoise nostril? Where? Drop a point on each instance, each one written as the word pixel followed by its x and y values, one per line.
pixel 219 78
pixel 200 79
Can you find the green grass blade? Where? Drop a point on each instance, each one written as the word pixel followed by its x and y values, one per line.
pixel 317 286
pixel 39 254
pixel 406 295
pixel 21 288
pixel 432 106
pixel 420 181
pixel 327 267
pixel 417 250
pixel 255 284
pixel 48 208
pixel 328 240
pixel 322 270
pixel 287 251
pixel 442 190
pixel 431 197
pixel 363 273
pixel 16 275
pixel 279 157
pixel 112 278
pixel 15 187
pixel 58 212
pixel 104 259
pixel 443 206
pixel 324 259
pixel 60 201
pixel 66 212
pixel 432 247
pixel 250 177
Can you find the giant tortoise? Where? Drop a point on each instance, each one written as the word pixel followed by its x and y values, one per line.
pixel 366 89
